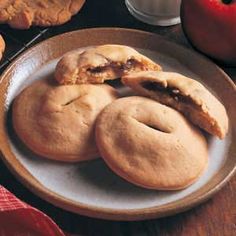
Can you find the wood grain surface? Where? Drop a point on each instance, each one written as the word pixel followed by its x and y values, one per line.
pixel 216 217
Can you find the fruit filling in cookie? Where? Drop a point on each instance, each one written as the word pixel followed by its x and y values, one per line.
pixel 171 92
pixel 116 67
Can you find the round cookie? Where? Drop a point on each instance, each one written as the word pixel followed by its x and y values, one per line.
pixel 24 13
pixel 150 145
pixel 2 46
pixel 58 122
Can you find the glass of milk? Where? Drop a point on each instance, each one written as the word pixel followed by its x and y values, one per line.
pixel 155 12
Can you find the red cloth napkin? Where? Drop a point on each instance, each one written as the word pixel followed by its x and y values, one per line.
pixel 20 219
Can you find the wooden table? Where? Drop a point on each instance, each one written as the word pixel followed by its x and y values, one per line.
pixel 216 217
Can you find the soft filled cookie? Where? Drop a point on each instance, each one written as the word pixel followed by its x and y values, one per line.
pixel 2 46
pixel 150 144
pixel 58 122
pixel 184 94
pixel 21 14
pixel 100 63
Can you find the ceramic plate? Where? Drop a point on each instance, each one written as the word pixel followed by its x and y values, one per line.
pixel 91 188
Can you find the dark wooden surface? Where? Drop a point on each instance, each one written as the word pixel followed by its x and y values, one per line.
pixel 216 217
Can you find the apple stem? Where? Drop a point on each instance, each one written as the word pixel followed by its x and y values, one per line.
pixel 227 1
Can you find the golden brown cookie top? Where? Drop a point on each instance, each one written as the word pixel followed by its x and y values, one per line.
pixel 2 46
pixel 100 63
pixel 21 14
pixel 182 93
pixel 58 121
pixel 150 144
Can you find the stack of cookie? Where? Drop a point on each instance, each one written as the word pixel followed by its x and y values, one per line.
pixel 151 139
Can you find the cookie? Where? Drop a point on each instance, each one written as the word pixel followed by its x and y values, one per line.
pixel 97 64
pixel 58 122
pixel 184 94
pixel 21 14
pixel 2 46
pixel 150 145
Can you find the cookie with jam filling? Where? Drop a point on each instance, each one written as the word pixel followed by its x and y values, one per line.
pixel 101 63
pixel 186 95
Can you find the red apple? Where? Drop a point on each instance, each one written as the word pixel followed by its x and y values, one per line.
pixel 210 25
